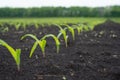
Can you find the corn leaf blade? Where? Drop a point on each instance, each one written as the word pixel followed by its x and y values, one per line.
pixel 33 49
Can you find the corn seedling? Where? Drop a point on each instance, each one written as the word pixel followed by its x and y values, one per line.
pixel 79 28
pixel 17 26
pixel 71 31
pixel 86 27
pixel 41 42
pixel 36 25
pixel 23 25
pixel 42 24
pixel 3 28
pixel 55 38
pixel 15 53
pixel 62 32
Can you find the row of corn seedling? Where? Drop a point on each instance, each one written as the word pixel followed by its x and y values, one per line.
pixel 42 42
pixel 18 25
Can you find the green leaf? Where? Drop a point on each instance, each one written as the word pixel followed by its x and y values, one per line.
pixel 15 53
pixel 72 32
pixel 33 48
pixel 63 32
pixel 42 44
pixel 18 52
pixel 79 29
pixel 17 26
pixel 30 35
pixel 55 39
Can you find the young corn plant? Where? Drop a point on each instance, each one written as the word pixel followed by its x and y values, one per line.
pixel 23 25
pixel 71 29
pixel 36 25
pixel 55 39
pixel 79 28
pixel 15 53
pixel 86 27
pixel 17 26
pixel 82 27
pixel 41 42
pixel 3 28
pixel 62 32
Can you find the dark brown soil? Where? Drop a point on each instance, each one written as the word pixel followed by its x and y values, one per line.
pixel 94 55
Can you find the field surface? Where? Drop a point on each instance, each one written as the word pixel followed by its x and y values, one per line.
pixel 93 55
pixel 90 20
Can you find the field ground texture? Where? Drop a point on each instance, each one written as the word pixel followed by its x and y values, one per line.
pixel 94 55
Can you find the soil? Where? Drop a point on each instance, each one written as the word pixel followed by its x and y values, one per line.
pixel 94 55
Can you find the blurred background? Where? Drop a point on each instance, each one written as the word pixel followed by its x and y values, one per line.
pixel 59 8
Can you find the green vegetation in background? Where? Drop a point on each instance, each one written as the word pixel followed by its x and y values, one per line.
pixel 91 21
pixel 109 11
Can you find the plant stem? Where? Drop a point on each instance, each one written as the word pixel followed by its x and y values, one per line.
pixel 43 54
pixel 18 67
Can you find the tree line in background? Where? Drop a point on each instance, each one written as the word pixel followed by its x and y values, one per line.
pixel 111 11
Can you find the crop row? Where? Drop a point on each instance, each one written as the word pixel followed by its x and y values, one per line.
pixel 4 27
pixel 42 41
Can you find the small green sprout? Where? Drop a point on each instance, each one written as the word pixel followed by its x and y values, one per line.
pixel 41 42
pixel 23 25
pixel 17 26
pixel 71 29
pixel 79 28
pixel 56 40
pixel 62 32
pixel 36 25
pixel 86 27
pixel 15 53
pixel 82 27
pixel 3 28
